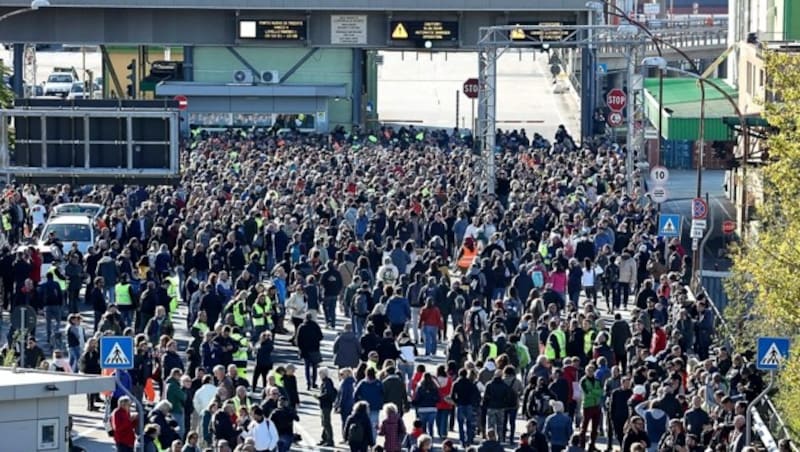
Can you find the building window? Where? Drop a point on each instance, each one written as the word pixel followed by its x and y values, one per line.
pixel 47 434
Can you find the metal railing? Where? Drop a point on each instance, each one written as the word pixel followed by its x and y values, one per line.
pixel 683 38
pixel 771 428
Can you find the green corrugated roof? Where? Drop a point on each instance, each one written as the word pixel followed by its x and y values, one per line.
pixel 682 96
pixel 682 101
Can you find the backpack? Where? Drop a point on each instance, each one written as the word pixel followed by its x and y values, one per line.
pixel 476 325
pixel 356 433
pixel 538 279
pixel 361 307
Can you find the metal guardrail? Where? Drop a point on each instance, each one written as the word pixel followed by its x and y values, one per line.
pixel 683 38
pixel 767 422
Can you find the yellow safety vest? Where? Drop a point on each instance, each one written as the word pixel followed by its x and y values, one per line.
pixel 492 350
pixel 259 223
pixel 173 293
pixel 157 443
pixel 240 355
pixel 61 283
pixel 238 317
pixel 278 380
pixel 123 294
pixel 372 364
pixel 6 222
pixel 588 342
pixel 550 352
pixel 202 327
pixel 238 404
pixel 258 315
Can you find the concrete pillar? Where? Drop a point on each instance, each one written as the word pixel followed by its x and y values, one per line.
pixel 188 63
pixel 19 69
pixel 357 86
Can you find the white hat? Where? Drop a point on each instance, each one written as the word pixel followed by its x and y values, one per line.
pixel 639 390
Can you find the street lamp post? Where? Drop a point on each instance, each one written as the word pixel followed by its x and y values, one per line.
pixel 35 4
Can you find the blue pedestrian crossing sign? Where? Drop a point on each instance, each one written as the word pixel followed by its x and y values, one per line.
pixel 772 352
pixel 116 352
pixel 669 225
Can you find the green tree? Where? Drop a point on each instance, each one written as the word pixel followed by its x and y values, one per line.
pixel 764 287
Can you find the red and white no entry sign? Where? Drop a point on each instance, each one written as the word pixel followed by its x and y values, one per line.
pixel 183 102
pixel 616 99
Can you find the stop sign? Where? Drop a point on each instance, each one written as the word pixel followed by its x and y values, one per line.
pixel 471 88
pixel 183 102
pixel 616 99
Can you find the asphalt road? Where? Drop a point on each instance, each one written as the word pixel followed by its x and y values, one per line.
pixel 682 188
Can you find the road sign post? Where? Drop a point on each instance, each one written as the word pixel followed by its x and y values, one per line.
pixel 471 88
pixel 659 175
pixel 771 353
pixel 699 209
pixel 614 119
pixel 669 225
pixel 659 194
pixel 116 352
pixel 616 99
pixel 728 227
pixel 183 102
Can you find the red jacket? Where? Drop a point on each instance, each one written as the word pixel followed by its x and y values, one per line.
pixel 659 341
pixel 444 391
pixel 431 317
pixel 124 427
pixel 571 375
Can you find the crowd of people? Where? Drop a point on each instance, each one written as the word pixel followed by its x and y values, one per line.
pixel 551 304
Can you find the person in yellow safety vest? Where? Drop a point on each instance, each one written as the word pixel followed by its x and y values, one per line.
pixel 239 311
pixel 7 223
pixel 240 355
pixel 588 338
pixel 199 329
pixel 57 276
pixel 123 297
pixel 372 360
pixel 241 399
pixel 489 348
pixel 173 292
pixel 556 348
pixel 151 432
pixel 468 253
pixel 261 318
pixel 278 375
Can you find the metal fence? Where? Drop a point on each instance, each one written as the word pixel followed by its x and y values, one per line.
pixel 768 425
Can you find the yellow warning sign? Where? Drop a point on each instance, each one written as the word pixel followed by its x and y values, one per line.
pixel 400 31
pixel 517 33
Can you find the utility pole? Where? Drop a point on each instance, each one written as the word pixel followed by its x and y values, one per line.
pixel 631 112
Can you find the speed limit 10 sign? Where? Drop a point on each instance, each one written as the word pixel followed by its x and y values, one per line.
pixel 659 175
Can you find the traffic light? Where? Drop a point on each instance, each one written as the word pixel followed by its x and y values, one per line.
pixel 132 79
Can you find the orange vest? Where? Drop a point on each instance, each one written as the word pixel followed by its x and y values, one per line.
pixel 467 257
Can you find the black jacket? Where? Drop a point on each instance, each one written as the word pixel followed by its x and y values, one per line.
pixel 309 336
pixel 223 427
pixel 465 392
pixel 327 394
pixel 498 395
